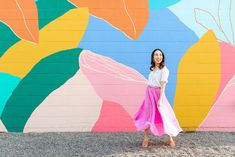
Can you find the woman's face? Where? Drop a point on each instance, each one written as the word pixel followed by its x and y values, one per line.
pixel 158 57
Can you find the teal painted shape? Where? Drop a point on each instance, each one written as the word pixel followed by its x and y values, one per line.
pixel 49 74
pixel 7 85
pixel 158 4
pixel 48 10
pixel 7 38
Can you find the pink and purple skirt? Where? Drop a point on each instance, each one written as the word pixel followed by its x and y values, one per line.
pixel 160 120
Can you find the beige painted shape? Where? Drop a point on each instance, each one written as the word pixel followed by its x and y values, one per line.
pixel 2 127
pixel 72 107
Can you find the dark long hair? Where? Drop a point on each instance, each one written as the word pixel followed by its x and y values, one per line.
pixel 162 64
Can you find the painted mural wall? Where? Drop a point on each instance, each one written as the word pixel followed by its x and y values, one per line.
pixel 82 65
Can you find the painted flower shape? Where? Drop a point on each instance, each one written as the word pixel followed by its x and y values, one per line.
pixel 21 17
pixel 129 16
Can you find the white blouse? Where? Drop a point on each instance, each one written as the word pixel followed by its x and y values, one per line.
pixel 158 75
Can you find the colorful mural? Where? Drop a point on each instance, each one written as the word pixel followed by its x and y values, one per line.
pixel 82 65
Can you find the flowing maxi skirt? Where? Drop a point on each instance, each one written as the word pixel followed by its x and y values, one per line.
pixel 160 120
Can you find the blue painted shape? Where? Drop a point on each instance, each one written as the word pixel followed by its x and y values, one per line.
pixel 158 4
pixel 163 30
pixel 7 84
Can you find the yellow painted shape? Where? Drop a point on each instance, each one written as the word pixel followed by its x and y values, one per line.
pixel 198 81
pixel 63 33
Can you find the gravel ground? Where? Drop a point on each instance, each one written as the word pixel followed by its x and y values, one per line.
pixel 198 144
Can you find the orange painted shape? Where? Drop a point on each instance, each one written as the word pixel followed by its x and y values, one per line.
pixel 22 17
pixel 129 16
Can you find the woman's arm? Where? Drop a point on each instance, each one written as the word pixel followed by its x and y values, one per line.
pixel 163 84
pixel 164 80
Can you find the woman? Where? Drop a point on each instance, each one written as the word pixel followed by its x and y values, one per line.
pixel 155 113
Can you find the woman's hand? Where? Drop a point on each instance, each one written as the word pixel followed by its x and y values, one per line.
pixel 159 103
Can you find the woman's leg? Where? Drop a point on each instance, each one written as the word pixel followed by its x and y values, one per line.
pixel 171 141
pixel 146 138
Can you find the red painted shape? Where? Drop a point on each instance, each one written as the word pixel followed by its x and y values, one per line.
pixel 113 118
